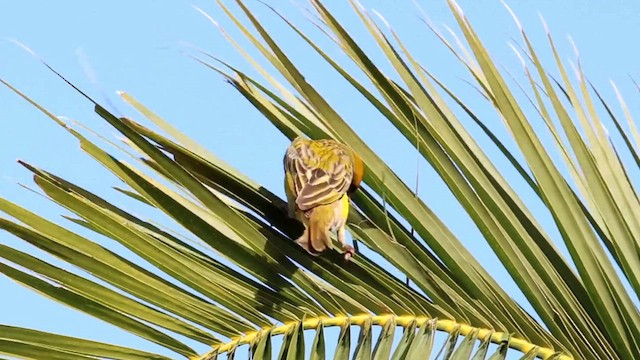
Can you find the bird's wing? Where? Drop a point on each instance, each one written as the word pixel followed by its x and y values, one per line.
pixel 321 174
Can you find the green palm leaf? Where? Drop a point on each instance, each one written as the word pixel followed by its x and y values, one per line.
pixel 244 285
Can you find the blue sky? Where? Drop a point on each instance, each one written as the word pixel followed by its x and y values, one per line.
pixel 142 48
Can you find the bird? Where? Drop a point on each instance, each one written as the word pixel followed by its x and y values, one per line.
pixel 320 176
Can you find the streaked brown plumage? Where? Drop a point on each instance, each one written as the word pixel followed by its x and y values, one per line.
pixel 319 175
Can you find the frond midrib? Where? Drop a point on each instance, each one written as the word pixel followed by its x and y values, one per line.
pixel 447 326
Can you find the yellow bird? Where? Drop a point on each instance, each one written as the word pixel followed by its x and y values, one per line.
pixel 319 176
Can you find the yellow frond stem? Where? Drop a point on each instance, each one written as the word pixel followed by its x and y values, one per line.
pixel 447 326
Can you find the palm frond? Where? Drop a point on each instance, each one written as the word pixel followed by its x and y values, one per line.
pixel 243 282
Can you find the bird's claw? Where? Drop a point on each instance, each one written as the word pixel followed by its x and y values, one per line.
pixel 349 251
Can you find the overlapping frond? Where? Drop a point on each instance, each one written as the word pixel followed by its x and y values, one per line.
pixel 245 282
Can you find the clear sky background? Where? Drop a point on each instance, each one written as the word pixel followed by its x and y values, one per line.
pixel 141 47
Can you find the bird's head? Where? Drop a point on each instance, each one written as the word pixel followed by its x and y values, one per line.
pixel 358 173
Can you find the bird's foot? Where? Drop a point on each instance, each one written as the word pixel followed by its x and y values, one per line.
pixel 349 251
